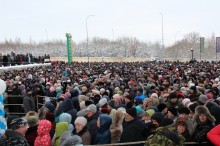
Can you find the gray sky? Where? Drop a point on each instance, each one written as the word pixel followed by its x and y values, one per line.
pixel 51 19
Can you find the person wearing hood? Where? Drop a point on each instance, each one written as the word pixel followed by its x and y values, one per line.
pixel 205 122
pixel 61 127
pixel 103 134
pixel 65 117
pixel 59 91
pixel 82 130
pixel 43 131
pixel 133 129
pixel 68 107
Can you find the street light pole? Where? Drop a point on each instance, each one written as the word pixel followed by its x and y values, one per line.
pixel 192 53
pixel 87 44
pixel 162 38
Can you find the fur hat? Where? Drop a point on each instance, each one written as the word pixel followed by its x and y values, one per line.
pixel 202 110
pixel 68 140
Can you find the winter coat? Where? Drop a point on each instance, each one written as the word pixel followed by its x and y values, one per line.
pixel 175 105
pixel 85 136
pixel 215 112
pixel 13 138
pixel 61 127
pixel 116 127
pixel 165 136
pixel 68 107
pixel 140 97
pixel 92 123
pixel 132 131
pixel 31 135
pixel 65 117
pixel 214 135
pixel 43 138
pixel 103 134
pixel 29 104
pixel 59 93
pixel 201 131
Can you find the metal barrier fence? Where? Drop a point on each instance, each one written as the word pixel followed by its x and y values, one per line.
pixel 14 104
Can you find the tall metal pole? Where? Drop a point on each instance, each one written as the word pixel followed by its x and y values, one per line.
pixel 87 44
pixel 162 51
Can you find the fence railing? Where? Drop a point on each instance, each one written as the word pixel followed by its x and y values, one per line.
pixel 14 104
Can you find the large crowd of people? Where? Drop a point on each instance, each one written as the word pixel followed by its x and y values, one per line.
pixel 161 103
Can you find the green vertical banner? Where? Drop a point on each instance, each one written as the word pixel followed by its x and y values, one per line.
pixel 69 47
pixel 202 44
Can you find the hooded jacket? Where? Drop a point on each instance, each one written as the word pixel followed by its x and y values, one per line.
pixel 68 107
pixel 43 131
pixel 214 135
pixel 103 134
pixel 61 127
pixel 92 123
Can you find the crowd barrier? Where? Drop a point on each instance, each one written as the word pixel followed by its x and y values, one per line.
pixel 14 104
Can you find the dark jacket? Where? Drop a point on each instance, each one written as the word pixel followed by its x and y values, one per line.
pixel 85 136
pixel 68 107
pixel 29 104
pixel 201 131
pixel 31 135
pixel 13 138
pixel 103 134
pixel 133 131
pixel 92 123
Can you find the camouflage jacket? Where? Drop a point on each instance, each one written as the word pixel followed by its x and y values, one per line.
pixel 165 136
pixel 13 138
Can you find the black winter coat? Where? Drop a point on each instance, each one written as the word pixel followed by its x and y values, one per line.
pixel 133 131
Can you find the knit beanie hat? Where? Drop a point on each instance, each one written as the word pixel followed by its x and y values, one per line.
pixel 81 120
pixel 185 100
pixel 150 112
pixel 32 121
pixel 17 123
pixel 184 110
pixel 193 106
pixel 92 108
pixel 50 106
pixel 158 116
pixel 161 107
pixel 102 102
pixel 132 112
pixel 203 98
pixel 173 111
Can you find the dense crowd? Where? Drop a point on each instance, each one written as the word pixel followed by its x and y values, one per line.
pixel 161 103
pixel 12 59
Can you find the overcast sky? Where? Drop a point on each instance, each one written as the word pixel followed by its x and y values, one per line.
pixel 51 19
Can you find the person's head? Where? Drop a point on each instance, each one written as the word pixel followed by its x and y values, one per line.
pixel 148 102
pixel 131 114
pixel 19 125
pixel 173 97
pixel 193 89
pixel 181 125
pixel 80 123
pixel 84 89
pixel 172 112
pixel 184 113
pixel 203 115
pixel 157 118
pixel 139 91
pixel 148 114
pixel 128 98
pixel 91 110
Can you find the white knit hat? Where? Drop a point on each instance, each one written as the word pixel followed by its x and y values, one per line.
pixel 185 101
pixel 102 102
pixel 81 120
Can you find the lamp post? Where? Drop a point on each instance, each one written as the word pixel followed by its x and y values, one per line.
pixel 87 44
pixel 192 53
pixel 162 37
